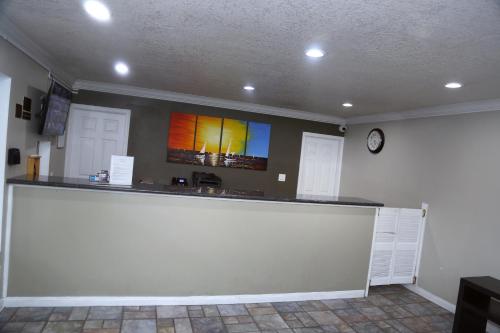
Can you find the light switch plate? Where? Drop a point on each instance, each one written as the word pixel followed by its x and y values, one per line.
pixel 282 177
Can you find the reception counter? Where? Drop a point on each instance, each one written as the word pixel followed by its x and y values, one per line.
pixel 70 242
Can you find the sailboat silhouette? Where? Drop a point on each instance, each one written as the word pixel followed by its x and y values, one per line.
pixel 201 155
pixel 228 161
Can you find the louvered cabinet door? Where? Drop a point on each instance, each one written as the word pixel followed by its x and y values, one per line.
pixel 407 245
pixel 383 246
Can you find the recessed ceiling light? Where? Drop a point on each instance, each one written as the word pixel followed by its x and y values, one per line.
pixel 97 10
pixel 249 88
pixel 121 68
pixel 453 85
pixel 315 53
pixel 347 105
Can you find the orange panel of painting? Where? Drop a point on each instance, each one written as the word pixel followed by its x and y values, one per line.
pixel 181 133
pixel 181 138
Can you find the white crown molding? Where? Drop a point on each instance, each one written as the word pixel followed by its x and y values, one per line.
pixel 179 300
pixel 127 90
pixel 437 111
pixel 20 40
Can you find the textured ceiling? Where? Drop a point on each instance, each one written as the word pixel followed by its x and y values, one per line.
pixel 383 55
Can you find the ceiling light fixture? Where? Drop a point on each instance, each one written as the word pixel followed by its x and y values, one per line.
pixel 121 68
pixel 97 10
pixel 347 105
pixel 249 88
pixel 315 53
pixel 453 85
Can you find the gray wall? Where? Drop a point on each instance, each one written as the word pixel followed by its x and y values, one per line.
pixel 31 80
pixel 117 244
pixel 452 163
pixel 149 132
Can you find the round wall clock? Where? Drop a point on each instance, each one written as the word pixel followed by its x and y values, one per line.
pixel 375 140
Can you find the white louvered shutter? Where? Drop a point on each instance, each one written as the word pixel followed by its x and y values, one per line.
pixel 407 244
pixel 383 246
pixel 395 247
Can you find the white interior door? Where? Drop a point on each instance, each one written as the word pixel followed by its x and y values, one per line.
pixel 396 244
pixel 320 162
pixel 94 134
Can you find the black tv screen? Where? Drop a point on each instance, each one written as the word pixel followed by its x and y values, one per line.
pixel 55 110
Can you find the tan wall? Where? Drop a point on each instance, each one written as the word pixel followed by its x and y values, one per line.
pixel 453 164
pixel 88 243
pixel 28 79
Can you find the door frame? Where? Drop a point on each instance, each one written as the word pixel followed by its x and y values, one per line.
pixel 5 89
pixel 93 108
pixel 339 160
pixel 5 92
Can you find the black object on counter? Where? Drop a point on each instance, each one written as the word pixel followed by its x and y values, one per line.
pixel 13 156
pixel 181 181
pixel 478 301
pixel 206 179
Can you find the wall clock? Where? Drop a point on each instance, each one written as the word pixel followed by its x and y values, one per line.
pixel 375 140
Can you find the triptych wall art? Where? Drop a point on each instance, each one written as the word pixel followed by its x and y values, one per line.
pixel 215 141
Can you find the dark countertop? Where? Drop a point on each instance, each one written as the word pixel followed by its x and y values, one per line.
pixel 188 191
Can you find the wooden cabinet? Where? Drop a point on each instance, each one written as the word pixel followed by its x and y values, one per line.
pixel 478 301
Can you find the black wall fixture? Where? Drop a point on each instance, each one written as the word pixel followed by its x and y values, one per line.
pixel 13 156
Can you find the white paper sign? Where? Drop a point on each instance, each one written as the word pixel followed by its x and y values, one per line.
pixel 121 170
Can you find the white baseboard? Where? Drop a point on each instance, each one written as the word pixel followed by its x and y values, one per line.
pixel 491 328
pixel 187 300
pixel 431 297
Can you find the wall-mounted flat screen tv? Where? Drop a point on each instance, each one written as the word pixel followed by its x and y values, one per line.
pixel 55 110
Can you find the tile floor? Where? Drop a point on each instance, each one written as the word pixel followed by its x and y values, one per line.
pixel 387 309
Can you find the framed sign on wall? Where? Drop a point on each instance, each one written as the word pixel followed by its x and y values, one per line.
pixel 216 141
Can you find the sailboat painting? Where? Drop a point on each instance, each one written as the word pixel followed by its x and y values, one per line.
pixel 214 141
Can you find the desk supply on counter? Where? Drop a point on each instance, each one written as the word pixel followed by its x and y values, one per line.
pixel 100 177
pixel 181 181
pixel 33 165
pixel 122 168
pixel 206 179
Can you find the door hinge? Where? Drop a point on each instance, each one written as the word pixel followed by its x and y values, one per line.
pixel 424 212
pixel 414 280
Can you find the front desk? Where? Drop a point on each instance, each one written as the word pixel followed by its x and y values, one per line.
pixel 67 237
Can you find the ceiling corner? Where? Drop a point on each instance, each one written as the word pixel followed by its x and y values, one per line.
pixel 16 37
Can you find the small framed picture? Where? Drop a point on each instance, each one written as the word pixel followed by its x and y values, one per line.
pixel 26 115
pixel 27 104
pixel 19 110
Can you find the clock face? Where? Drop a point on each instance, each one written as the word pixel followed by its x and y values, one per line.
pixel 375 140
